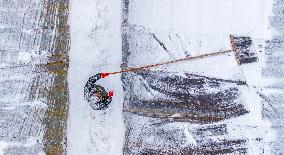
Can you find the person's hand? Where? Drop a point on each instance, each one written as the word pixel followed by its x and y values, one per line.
pixel 103 75
pixel 110 94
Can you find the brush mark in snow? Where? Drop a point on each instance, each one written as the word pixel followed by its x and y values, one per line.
pixel 157 136
pixel 155 99
pixel 273 71
pixel 162 44
pixel 197 98
pixel 22 105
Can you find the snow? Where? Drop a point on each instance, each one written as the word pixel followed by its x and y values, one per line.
pixel 3 65
pixel 35 103
pixel 196 26
pixel 200 26
pixel 31 141
pixel 3 145
pixel 24 57
pixel 95 47
pixel 202 17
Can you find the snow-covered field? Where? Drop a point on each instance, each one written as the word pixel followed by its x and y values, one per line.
pixel 185 27
pixel 107 35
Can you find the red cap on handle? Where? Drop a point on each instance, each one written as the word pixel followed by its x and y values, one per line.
pixel 103 75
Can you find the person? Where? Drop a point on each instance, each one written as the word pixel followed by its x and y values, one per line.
pixel 95 94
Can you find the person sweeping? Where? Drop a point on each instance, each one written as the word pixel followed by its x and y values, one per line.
pixel 99 99
pixel 95 94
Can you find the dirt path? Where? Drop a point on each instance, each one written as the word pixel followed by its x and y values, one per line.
pixel 55 17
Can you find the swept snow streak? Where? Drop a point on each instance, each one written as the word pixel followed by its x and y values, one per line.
pixel 217 116
pixel 95 47
pixel 273 71
pixel 27 31
pixel 34 62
